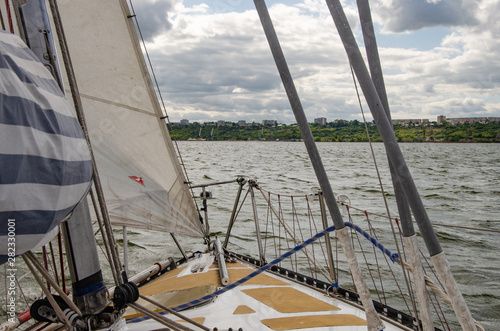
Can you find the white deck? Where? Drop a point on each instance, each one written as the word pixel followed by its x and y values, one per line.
pixel 266 302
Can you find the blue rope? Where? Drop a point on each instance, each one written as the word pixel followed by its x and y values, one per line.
pixel 256 272
pixel 294 250
pixel 394 257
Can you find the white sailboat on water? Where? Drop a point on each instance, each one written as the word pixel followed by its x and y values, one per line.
pixel 138 182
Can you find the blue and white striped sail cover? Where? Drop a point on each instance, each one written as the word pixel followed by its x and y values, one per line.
pixel 45 164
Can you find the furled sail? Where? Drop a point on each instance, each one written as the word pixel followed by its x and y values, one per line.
pixel 141 176
pixel 45 165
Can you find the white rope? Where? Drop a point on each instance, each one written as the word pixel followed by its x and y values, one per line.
pixel 438 291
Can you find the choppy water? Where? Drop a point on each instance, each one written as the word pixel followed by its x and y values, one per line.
pixel 459 185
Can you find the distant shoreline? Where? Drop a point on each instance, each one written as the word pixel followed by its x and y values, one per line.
pixel 346 131
pixel 357 142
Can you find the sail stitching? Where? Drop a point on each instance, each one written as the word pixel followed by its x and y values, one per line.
pixel 142 111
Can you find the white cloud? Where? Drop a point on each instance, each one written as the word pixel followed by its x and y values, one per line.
pixel 215 64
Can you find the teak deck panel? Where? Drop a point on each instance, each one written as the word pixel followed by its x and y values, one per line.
pixel 288 300
pixel 169 283
pixel 312 321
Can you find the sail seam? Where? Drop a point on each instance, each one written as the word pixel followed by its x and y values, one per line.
pixel 142 111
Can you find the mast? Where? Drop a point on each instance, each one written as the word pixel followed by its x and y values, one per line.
pixel 410 238
pixel 373 320
pixel 378 81
pixel 399 164
pixel 89 291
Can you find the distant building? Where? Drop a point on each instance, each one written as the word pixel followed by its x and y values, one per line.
pixel 221 123
pixel 320 120
pixel 461 120
pixel 184 122
pixel 242 123
pixel 269 122
pixel 407 122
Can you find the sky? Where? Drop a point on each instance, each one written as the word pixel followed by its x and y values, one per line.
pixel 212 61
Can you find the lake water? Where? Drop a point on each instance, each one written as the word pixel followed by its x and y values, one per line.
pixel 459 185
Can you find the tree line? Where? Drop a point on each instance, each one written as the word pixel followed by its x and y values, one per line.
pixel 342 131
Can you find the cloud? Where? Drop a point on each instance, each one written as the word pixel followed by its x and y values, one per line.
pixel 209 57
pixel 216 64
pixel 459 107
pixel 154 16
pixel 460 76
pixel 410 15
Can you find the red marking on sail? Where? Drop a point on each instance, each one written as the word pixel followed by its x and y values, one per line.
pixel 137 179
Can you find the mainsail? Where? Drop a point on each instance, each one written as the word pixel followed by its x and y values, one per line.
pixel 142 179
pixel 45 162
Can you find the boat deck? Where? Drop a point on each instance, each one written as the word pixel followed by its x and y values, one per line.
pixel 265 302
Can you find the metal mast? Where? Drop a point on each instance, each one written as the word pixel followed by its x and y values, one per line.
pixel 399 165
pixel 373 320
pixel 410 238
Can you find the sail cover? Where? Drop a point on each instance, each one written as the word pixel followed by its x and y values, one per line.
pixel 142 180
pixel 45 164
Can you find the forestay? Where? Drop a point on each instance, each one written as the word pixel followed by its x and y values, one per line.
pixel 44 159
pixel 142 179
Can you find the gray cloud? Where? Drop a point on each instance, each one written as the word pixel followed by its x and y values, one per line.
pixel 410 15
pixel 153 17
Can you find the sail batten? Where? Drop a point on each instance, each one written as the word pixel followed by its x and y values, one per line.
pixel 142 181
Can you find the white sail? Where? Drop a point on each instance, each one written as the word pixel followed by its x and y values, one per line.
pixel 141 176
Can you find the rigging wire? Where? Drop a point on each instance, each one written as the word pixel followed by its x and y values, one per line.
pixel 291 232
pixel 312 224
pixel 5 285
pixel 441 316
pixel 373 234
pixel 394 257
pixel 9 16
pixel 1 20
pixel 388 264
pixel 61 259
pixel 434 223
pixel 162 102
pixel 368 268
pixel 406 276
